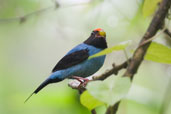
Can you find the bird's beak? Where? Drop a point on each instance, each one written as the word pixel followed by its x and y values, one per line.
pixel 102 33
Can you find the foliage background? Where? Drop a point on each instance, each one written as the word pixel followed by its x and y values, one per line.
pixel 29 50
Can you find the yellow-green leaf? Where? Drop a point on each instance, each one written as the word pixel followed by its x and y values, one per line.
pixel 149 7
pixel 89 101
pixel 121 46
pixel 158 53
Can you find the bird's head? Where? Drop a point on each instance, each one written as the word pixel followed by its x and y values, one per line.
pixel 97 39
pixel 99 33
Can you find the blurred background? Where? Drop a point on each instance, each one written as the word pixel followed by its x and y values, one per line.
pixel 31 45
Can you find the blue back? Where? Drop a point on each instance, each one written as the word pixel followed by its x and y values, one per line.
pixel 84 69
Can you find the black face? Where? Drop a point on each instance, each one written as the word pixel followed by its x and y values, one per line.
pixel 96 40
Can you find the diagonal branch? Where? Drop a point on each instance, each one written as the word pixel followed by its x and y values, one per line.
pixel 114 70
pixel 23 18
pixel 140 52
pixel 166 31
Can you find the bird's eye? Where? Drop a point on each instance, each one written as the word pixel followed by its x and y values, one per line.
pixel 92 33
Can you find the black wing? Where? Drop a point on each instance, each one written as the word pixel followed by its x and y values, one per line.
pixel 71 60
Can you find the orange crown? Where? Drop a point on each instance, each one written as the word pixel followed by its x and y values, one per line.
pixel 98 29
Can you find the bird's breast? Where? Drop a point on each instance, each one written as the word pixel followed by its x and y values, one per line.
pixel 89 67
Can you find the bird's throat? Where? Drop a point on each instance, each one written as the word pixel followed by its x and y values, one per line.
pixel 99 42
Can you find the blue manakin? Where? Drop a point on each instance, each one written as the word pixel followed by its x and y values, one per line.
pixel 76 62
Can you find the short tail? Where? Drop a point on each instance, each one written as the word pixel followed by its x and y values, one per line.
pixel 42 85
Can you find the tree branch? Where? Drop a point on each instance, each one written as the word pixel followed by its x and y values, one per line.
pixel 140 52
pixel 93 111
pixel 113 109
pixel 114 70
pixel 23 18
pixel 166 31
pixel 151 31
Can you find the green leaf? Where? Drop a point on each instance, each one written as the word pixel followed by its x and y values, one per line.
pixel 121 46
pixel 111 90
pixel 89 101
pixel 158 53
pixel 149 7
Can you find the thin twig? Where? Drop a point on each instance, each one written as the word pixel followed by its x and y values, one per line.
pixel 23 18
pixel 152 38
pixel 114 70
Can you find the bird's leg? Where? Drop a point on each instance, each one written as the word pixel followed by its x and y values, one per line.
pixel 80 79
pixel 77 78
pixel 83 81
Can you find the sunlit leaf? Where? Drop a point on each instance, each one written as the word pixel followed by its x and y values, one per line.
pixel 89 101
pixel 121 46
pixel 149 7
pixel 110 90
pixel 158 53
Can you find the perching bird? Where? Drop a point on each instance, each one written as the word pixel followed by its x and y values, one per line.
pixel 75 63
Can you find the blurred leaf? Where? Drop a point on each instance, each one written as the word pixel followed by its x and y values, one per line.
pixel 94 4
pixel 149 7
pixel 89 101
pixel 132 107
pixel 137 20
pixel 158 53
pixel 121 46
pixel 110 90
pixel 15 8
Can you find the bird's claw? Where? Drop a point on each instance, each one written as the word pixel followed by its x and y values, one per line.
pixel 83 81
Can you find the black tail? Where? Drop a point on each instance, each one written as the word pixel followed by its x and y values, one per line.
pixel 42 85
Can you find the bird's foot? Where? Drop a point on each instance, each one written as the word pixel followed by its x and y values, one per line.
pixel 83 81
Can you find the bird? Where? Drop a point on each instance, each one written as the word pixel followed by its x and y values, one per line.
pixel 76 63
